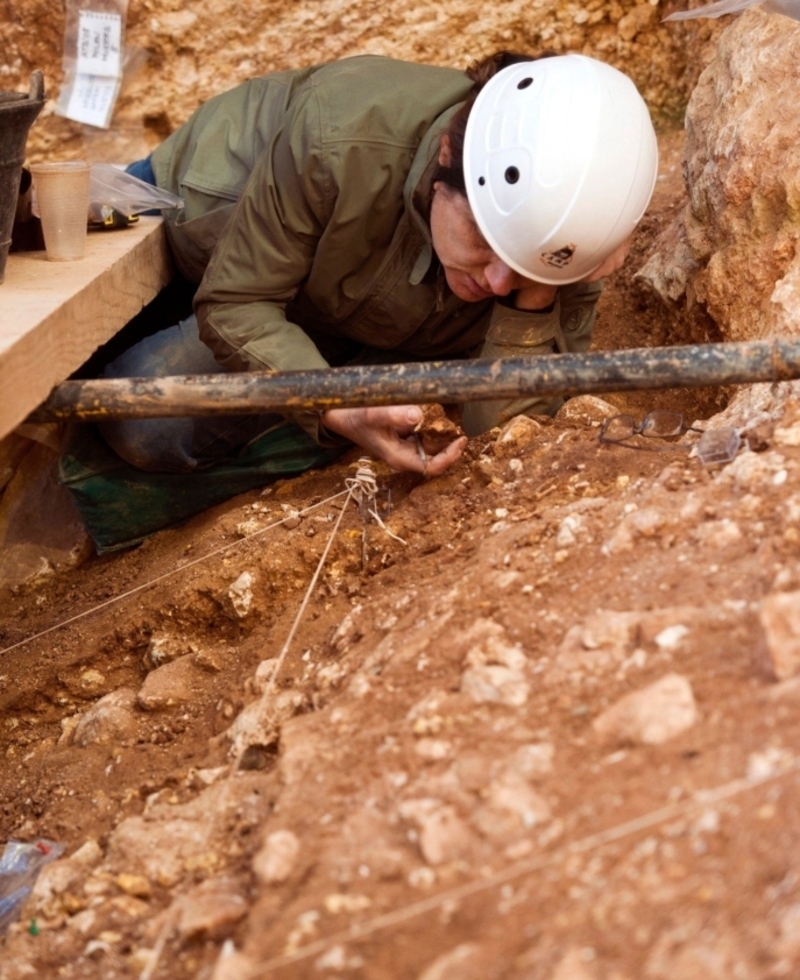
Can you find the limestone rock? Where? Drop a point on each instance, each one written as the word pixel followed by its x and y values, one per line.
pixel 741 225
pixel 599 644
pixel 651 716
pixel 516 436
pixel 232 965
pixel 534 760
pixel 240 595
pixel 211 910
pixel 573 966
pixel 780 621
pixel 443 836
pixel 711 957
pixel 469 961
pixel 110 720
pixel 495 669
pixel 587 408
pixel 163 649
pixel 788 944
pixel 169 686
pixel 277 858
pixel 167 841
pixel 511 806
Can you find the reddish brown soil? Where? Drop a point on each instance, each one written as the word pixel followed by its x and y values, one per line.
pixel 383 731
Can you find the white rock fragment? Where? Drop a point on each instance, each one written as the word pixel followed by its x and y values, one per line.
pixel 292 519
pixel 240 593
pixel 651 716
pixel 787 435
pixel 534 760
pixel 494 668
pixel 670 638
pixel 211 910
pixel 568 532
pixel 573 966
pixel 599 644
pixel 788 942
pixel 259 722
pixel 752 471
pixel 779 615
pixel 645 522
pixel 349 631
pixel 163 649
pixel 346 903
pixel 111 719
pixel 492 683
pixel 433 748
pixel 460 963
pixel 717 534
pixel 338 960
pixel 763 765
pixel 517 435
pixel 443 835
pixel 512 793
pixel 277 859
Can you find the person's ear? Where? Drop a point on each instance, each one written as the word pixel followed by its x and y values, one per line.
pixel 445 151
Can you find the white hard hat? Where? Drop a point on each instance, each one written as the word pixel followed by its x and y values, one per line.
pixel 560 162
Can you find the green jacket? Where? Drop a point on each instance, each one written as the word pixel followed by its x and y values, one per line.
pixel 307 196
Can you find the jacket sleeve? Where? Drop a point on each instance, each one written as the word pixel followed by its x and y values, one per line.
pixel 265 253
pixel 567 327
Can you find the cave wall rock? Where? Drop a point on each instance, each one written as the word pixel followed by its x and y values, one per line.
pixel 734 250
pixel 191 50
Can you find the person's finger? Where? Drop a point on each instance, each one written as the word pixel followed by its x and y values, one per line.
pixel 402 418
pixel 441 461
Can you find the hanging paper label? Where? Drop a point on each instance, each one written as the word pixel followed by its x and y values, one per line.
pixel 99 44
pixel 92 99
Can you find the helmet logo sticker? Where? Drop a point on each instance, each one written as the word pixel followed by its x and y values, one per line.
pixel 560 258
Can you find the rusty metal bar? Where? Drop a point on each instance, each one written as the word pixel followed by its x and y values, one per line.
pixel 418 383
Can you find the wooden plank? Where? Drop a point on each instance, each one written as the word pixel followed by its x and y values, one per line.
pixel 54 315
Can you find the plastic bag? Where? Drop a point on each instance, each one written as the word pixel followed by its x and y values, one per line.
pixel 791 8
pixel 19 868
pixel 110 186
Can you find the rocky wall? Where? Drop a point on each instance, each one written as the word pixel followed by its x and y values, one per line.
pixel 734 249
pixel 189 51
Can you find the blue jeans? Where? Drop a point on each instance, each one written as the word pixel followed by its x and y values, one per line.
pixel 177 445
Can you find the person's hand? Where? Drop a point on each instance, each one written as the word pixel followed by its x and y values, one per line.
pixel 387 432
pixel 539 296
pixel 535 296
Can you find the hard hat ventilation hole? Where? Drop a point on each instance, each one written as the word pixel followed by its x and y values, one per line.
pixel 512 175
pixel 481 181
pixel 525 83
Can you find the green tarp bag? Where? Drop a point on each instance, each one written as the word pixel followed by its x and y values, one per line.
pixel 121 505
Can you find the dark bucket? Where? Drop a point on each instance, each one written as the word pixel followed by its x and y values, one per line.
pixel 17 113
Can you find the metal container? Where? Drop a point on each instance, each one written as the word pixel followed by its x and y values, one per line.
pixel 17 114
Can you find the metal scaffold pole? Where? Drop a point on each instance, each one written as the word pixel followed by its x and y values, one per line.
pixel 418 383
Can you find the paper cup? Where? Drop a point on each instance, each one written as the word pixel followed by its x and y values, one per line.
pixel 62 196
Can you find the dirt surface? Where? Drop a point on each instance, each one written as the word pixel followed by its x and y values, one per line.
pixel 430 770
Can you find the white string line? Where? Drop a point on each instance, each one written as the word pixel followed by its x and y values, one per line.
pixel 362 486
pixel 701 798
pixel 304 603
pixel 166 575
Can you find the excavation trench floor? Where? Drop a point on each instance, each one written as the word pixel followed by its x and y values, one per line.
pixel 435 786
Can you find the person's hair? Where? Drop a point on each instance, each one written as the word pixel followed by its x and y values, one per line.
pixel 480 72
